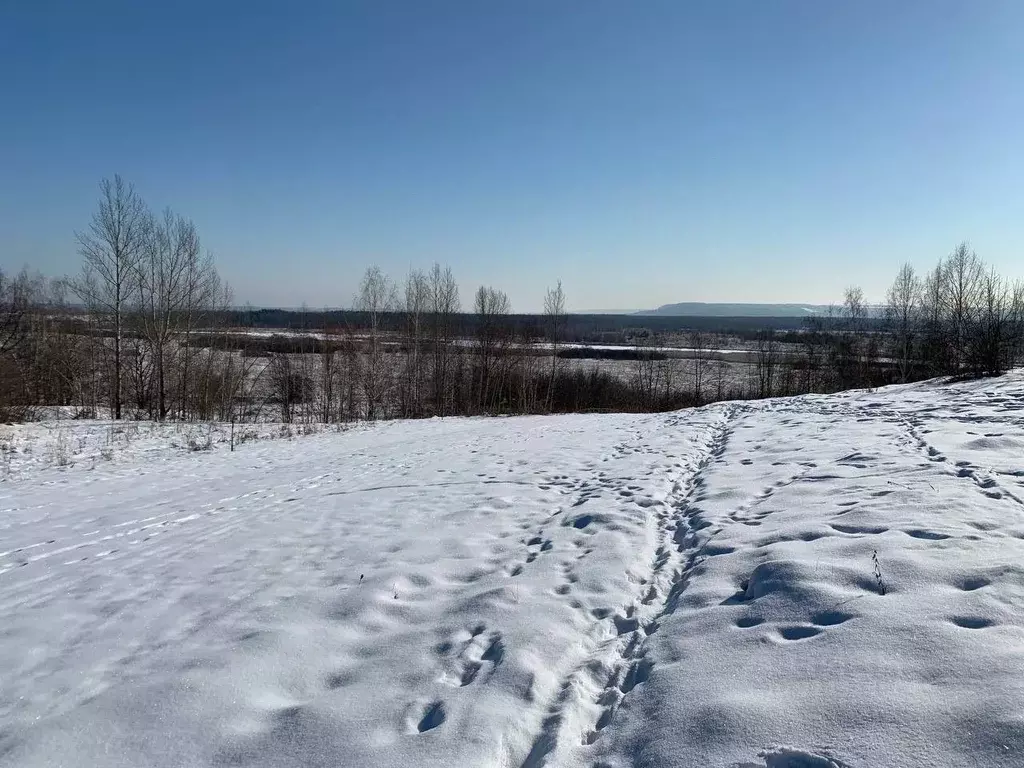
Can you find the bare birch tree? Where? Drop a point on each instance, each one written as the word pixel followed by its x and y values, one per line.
pixel 111 249
pixel 963 275
pixel 767 360
pixel 933 349
pixel 644 371
pixel 902 302
pixel 853 367
pixel 171 247
pixel 698 345
pixel 994 333
pixel 444 306
pixel 417 305
pixel 554 316
pixel 490 306
pixel 377 297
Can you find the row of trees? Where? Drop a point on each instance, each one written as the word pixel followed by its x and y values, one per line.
pixel 143 331
pixel 136 333
pixel 144 287
pixel 404 356
pixel 961 318
pixel 149 275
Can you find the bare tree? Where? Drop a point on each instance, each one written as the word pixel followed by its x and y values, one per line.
pixel 490 306
pixel 856 310
pixel 667 368
pixel 15 304
pixel 444 306
pixel 217 380
pixel 993 340
pixel 813 344
pixel 718 377
pixel 111 249
pixel 49 352
pixel 1016 323
pixel 644 370
pixel 856 315
pixel 171 248
pixel 902 303
pixel 963 275
pixel 377 297
pixel 934 350
pixel 554 315
pixel 698 345
pixel 767 361
pixel 205 295
pixel 329 372
pixel 417 305
pixel 288 385
pixel 530 371
pixel 14 301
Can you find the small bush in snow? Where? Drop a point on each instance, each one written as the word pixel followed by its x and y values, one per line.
pixel 246 436
pixel 60 450
pixel 197 444
pixel 6 452
pixel 124 432
pixel 196 441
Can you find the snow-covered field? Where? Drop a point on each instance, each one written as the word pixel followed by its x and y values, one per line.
pixel 806 583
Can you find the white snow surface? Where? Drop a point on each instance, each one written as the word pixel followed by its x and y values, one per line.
pixel 817 582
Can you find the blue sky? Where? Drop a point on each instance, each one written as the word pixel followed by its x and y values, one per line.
pixel 644 153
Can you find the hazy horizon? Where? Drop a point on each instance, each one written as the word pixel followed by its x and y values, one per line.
pixel 645 155
pixel 467 308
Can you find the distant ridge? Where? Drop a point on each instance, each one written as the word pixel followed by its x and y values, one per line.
pixel 702 309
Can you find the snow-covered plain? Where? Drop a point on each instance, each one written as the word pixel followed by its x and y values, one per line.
pixel 805 583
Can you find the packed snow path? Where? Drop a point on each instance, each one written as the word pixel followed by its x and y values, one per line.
pixel 810 583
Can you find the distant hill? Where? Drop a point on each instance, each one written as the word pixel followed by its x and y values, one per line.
pixel 702 309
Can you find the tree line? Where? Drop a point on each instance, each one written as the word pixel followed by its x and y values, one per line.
pixel 146 329
pixel 145 285
pixel 960 319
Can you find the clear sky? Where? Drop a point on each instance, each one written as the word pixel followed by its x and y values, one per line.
pixel 644 152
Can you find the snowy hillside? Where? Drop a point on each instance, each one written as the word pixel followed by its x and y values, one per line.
pixel 806 583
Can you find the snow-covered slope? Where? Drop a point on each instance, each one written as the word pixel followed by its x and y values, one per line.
pixel 805 583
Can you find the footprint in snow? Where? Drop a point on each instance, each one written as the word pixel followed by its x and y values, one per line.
pixel 926 535
pixel 972 622
pixel 784 757
pixel 433 715
pixel 798 632
pixel 481 649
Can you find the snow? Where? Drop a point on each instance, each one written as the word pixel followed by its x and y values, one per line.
pixel 815 582
pixel 668 350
